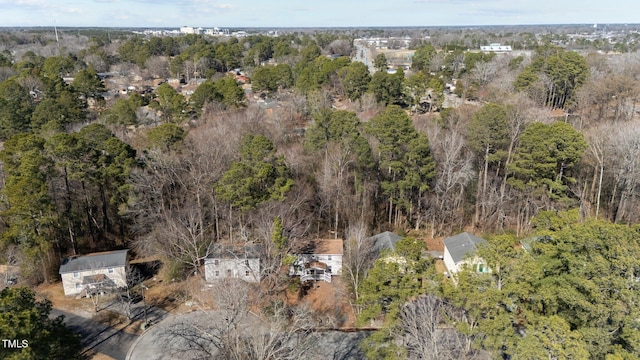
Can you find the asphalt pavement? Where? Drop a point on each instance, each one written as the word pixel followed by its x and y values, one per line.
pixel 102 338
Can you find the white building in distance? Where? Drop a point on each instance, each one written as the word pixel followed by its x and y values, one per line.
pixel 496 47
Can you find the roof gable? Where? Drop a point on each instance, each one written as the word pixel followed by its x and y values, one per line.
pixel 462 244
pixel 94 261
pixel 235 251
pixel 385 241
pixel 322 247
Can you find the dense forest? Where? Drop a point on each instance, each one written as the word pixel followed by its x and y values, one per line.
pixel 542 145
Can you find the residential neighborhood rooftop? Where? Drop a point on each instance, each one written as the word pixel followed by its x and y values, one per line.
pixel 322 246
pixel 93 261
pixel 462 244
pixel 385 241
pixel 235 251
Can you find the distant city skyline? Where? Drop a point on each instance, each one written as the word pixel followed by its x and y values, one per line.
pixel 310 13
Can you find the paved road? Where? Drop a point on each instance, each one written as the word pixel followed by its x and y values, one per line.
pixel 152 344
pixel 102 338
pixel 158 343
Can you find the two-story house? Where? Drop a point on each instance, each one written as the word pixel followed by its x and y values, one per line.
pixel 94 272
pixel 318 260
pixel 233 261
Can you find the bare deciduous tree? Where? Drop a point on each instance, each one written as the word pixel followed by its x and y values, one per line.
pixel 358 258
pixel 157 67
pixel 128 294
pixel 426 334
pixel 453 174
pixel 232 331
pixel 626 143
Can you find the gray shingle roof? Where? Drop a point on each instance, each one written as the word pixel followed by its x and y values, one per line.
pixel 232 251
pixel 100 260
pixel 462 244
pixel 385 241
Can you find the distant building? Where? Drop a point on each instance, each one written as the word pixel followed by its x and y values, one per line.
pixel 318 260
pixel 190 30
pixel 94 272
pixel 216 31
pixel 459 250
pixel 233 262
pixel 496 47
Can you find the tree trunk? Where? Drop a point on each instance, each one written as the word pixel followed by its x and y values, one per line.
pixel 105 216
pixel 599 191
pixel 476 217
pixel 484 183
pixel 87 208
pixel 68 206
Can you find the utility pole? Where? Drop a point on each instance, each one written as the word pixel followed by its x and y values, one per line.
pixel 144 306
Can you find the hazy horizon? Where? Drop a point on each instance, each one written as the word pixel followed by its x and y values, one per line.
pixel 312 14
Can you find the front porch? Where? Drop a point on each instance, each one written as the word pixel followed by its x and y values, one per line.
pixel 316 271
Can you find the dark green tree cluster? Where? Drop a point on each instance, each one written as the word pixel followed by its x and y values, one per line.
pixel 22 317
pixel 170 103
pixel 356 80
pixel 570 293
pixel 137 51
pixel 270 78
pixel 225 91
pixel 421 59
pixel 64 189
pixel 39 100
pixel 405 164
pixel 259 176
pixel 165 137
pixel 472 58
pixel 312 74
pixel 544 159
pixel 388 88
pixel 566 71
pixel 123 111
pixel 395 278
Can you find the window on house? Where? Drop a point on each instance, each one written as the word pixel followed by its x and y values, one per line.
pixel 76 274
pixel 78 286
pixel 216 262
pixel 328 257
pixel 229 273
pixel 110 270
pixel 217 273
pixel 246 273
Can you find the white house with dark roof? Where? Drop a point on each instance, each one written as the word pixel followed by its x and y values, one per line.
pixel 94 272
pixel 318 260
pixel 233 262
pixel 459 250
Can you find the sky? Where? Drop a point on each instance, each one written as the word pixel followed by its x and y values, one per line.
pixel 313 13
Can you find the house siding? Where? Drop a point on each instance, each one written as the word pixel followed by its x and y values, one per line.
pixel 451 265
pixel 232 268
pixel 335 263
pixel 119 277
